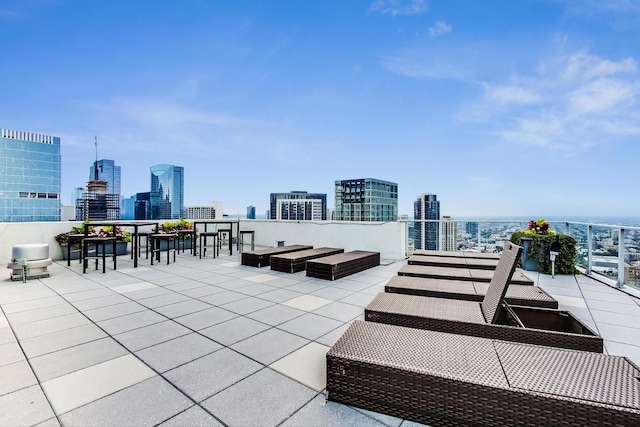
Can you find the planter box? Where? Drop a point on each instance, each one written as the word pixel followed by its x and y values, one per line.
pixel 163 244
pixel 121 249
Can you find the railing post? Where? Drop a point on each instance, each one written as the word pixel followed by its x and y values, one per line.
pixel 589 248
pixel 620 281
pixel 479 225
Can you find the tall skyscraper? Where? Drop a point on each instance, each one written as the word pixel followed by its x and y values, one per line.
pixel 427 207
pixel 167 182
pixel 366 199
pixel 448 234
pixel 251 212
pixel 30 178
pixel 300 214
pixel 109 172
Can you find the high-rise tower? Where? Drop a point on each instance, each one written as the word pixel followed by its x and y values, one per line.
pixel 167 192
pixel 30 178
pixel 427 207
pixel 366 199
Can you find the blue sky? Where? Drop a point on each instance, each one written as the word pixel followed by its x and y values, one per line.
pixel 501 108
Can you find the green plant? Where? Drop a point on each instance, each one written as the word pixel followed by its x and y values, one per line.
pixel 63 238
pixel 539 250
pixel 174 226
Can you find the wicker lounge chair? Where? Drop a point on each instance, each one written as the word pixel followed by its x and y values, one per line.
pixel 337 266
pixel 453 273
pixel 262 257
pixel 491 318
pixel 457 254
pixel 294 262
pixel 437 378
pixel 524 295
pixel 440 261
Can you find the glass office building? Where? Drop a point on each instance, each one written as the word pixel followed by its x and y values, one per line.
pixel 167 182
pixel 426 234
pixel 109 172
pixel 366 199
pixel 30 178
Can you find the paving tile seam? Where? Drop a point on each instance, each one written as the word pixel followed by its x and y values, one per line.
pixel 31 368
pixel 302 406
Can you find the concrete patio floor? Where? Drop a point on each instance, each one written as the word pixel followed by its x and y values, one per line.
pixel 205 342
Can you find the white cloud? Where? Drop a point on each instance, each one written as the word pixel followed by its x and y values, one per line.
pixel 571 103
pixel 439 29
pixel 400 7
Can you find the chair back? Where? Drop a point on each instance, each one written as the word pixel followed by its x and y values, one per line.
pixel 494 297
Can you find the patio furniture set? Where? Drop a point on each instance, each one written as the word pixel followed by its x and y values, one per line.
pixel 154 243
pixel 472 355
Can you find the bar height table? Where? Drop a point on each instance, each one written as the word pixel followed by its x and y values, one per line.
pixel 134 237
pixel 229 222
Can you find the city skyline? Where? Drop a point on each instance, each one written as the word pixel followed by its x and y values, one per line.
pixel 525 108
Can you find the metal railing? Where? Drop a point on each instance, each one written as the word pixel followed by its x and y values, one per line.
pixel 609 251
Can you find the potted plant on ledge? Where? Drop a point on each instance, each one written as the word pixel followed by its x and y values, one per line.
pixel 536 241
pixel 123 238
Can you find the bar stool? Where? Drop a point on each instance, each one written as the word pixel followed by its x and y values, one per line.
pixel 252 233
pixel 222 232
pixel 73 239
pixel 203 243
pixel 182 237
pixel 156 245
pixel 100 244
pixel 139 236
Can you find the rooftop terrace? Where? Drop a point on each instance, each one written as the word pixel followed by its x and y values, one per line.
pixel 210 342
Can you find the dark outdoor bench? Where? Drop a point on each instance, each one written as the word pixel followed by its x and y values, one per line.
pixel 524 295
pixel 468 274
pixel 294 262
pixel 437 378
pixel 262 257
pixel 457 254
pixel 337 266
pixel 440 261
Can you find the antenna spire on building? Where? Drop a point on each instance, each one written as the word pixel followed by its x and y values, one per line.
pixel 95 173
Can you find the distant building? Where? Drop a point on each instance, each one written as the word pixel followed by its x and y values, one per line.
pixel 448 234
pixel 97 204
pixel 76 193
pixel 128 208
pixel 213 211
pixel 425 236
pixel 471 228
pixel 144 206
pixel 109 172
pixel 302 196
pixel 30 176
pixel 251 212
pixel 300 209
pixel 167 181
pixel 366 199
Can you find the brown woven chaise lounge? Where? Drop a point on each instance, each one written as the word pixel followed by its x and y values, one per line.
pixel 440 261
pixel 454 273
pixel 438 378
pixel 528 296
pixel 294 262
pixel 262 257
pixel 491 318
pixel 337 266
pixel 457 254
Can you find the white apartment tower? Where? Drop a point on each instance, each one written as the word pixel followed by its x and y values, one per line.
pixel 448 234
